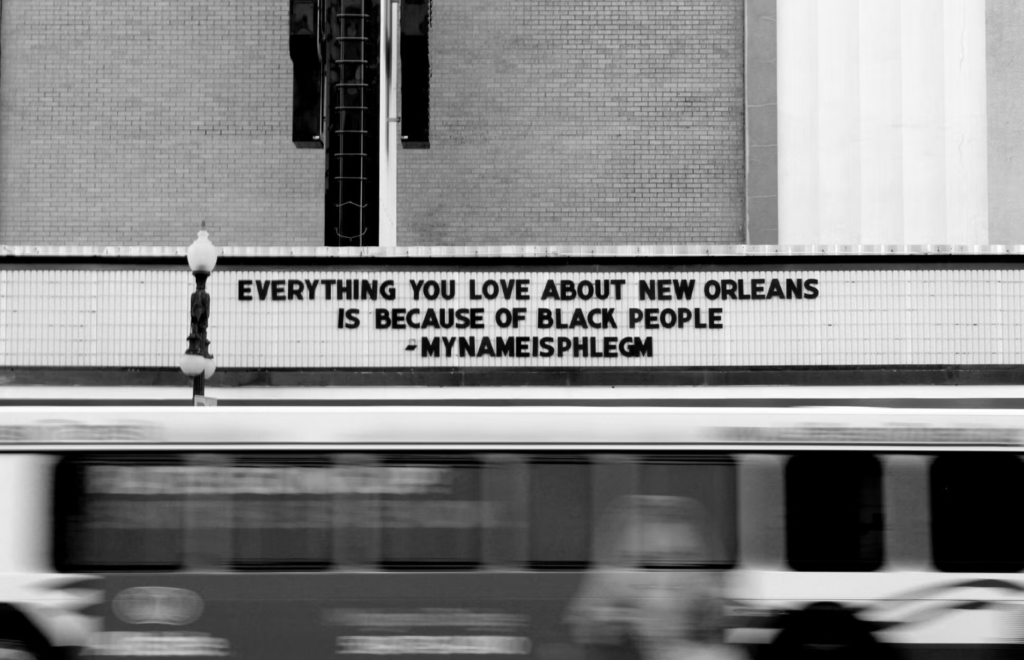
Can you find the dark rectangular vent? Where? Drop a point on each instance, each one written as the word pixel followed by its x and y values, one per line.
pixel 307 74
pixel 416 74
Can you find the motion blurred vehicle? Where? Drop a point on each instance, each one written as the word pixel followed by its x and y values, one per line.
pixel 419 531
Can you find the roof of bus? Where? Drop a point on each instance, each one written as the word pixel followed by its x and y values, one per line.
pixel 487 427
pixel 896 396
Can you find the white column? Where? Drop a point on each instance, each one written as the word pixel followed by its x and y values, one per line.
pixel 797 53
pixel 966 123
pixel 881 114
pixel 924 115
pixel 882 124
pixel 839 144
pixel 388 167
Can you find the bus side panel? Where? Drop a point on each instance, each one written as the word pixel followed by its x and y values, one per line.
pixel 366 615
pixel 328 615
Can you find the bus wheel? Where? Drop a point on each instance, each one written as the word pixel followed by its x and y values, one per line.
pixel 13 649
pixel 825 630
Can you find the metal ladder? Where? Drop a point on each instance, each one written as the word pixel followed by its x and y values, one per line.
pixel 348 96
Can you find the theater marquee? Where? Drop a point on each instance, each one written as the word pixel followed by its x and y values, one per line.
pixel 450 316
pixel 468 317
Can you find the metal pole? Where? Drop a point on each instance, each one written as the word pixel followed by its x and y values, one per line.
pixel 198 344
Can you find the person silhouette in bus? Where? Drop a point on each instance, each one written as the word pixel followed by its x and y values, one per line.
pixel 652 594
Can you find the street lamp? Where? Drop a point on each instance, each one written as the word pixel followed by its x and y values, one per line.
pixel 197 362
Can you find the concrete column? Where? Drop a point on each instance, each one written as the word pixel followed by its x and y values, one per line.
pixel 797 49
pixel 389 111
pixel 1004 59
pixel 882 124
pixel 839 109
pixel 881 87
pixel 966 123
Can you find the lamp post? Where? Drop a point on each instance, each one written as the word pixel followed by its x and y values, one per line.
pixel 197 362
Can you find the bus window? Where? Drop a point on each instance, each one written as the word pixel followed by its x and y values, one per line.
pixel 834 519
pixel 703 487
pixel 432 513
pixel 971 495
pixel 560 512
pixel 119 513
pixel 281 512
pixel 356 511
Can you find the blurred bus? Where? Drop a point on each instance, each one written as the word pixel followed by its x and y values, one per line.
pixel 556 532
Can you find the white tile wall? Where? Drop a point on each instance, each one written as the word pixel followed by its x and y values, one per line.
pixel 139 318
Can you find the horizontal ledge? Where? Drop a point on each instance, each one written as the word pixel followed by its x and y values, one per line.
pixel 506 251
pixel 228 380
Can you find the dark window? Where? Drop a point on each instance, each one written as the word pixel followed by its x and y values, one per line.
pixel 415 47
pixel 432 514
pixel 281 512
pixel 834 519
pixel 974 497
pixel 119 513
pixel 560 512
pixel 696 495
pixel 307 84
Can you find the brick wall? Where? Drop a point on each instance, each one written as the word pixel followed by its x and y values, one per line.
pixel 568 122
pixel 128 122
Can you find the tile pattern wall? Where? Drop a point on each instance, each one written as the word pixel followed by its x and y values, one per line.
pixel 138 318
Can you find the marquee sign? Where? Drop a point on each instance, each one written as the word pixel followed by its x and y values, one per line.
pixel 573 316
pixel 452 317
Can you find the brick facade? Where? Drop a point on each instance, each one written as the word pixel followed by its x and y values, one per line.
pixel 552 122
pixel 127 123
pixel 566 122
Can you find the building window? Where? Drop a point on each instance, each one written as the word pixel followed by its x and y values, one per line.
pixel 415 56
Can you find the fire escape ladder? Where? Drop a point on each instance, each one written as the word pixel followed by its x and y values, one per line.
pixel 349 98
